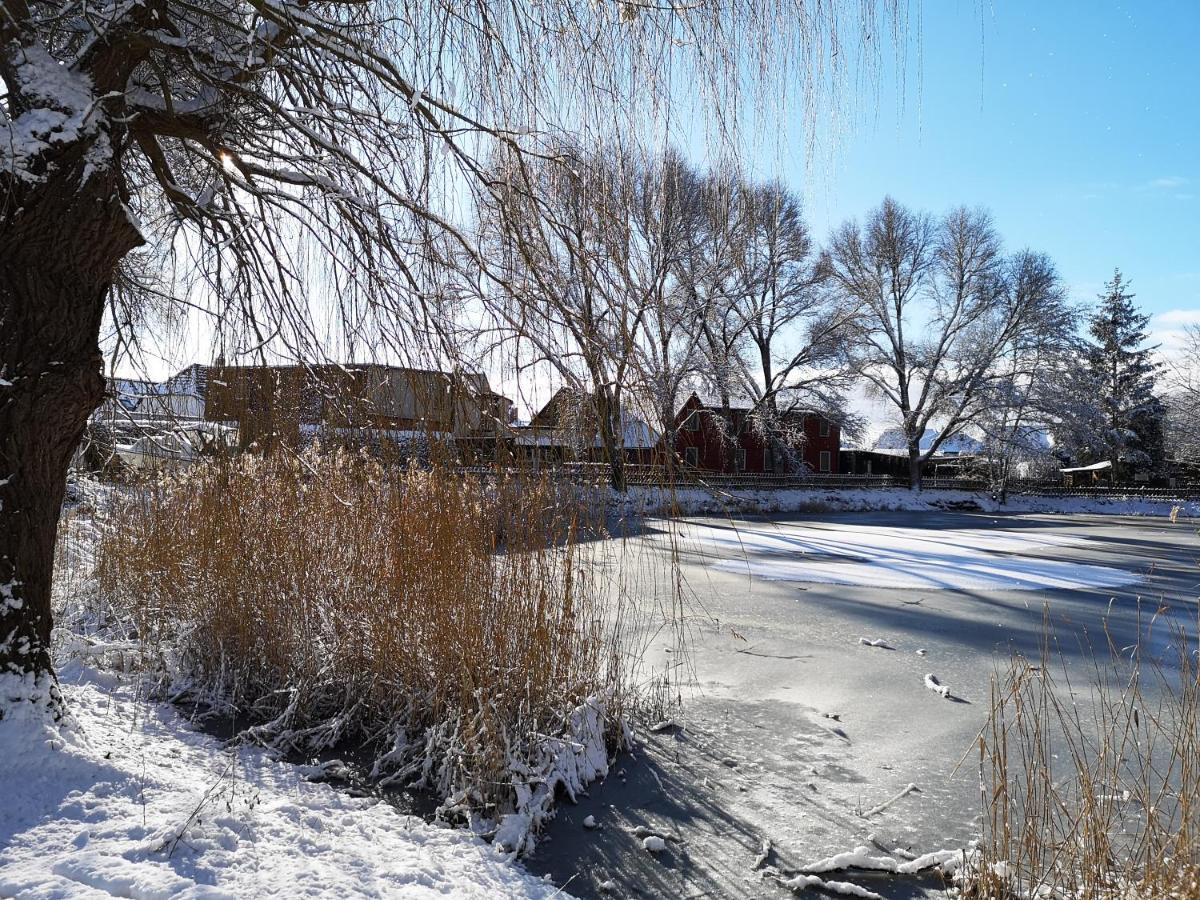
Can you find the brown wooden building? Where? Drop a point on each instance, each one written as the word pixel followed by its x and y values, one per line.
pixel 285 403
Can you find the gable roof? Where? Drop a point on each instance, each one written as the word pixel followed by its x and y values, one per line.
pixel 892 440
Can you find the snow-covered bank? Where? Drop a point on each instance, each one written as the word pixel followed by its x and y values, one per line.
pixel 131 802
pixel 690 501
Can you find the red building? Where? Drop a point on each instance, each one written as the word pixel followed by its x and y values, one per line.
pixel 705 439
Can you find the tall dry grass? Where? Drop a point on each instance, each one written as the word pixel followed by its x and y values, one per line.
pixel 1092 791
pixel 451 624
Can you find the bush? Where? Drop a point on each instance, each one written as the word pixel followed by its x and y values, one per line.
pixel 450 624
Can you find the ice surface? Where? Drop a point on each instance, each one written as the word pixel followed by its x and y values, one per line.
pixel 897 557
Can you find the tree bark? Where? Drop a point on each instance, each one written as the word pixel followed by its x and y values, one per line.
pixel 914 466
pixel 62 240
pixel 607 410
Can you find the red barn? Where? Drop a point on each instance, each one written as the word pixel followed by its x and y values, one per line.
pixel 708 441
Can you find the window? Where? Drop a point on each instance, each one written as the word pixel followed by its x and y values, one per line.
pixel 739 460
pixel 826 428
pixel 691 456
pixel 826 461
pixel 692 422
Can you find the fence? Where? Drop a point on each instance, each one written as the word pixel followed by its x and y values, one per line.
pixel 654 476
pixel 1121 492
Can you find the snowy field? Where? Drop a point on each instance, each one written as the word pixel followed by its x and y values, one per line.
pixel 136 804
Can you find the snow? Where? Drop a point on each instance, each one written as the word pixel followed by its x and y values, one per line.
pixel 862 858
pixel 934 684
pixel 800 882
pixel 129 801
pixel 876 642
pixel 654 843
pixel 1094 467
pixel 642 500
pixel 858 858
pixel 893 440
pixel 898 557
pixel 60 110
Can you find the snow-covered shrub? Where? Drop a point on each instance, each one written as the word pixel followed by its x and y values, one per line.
pixel 453 625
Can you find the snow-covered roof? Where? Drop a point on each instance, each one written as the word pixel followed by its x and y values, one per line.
pixel 1094 467
pixel 892 440
pixel 637 435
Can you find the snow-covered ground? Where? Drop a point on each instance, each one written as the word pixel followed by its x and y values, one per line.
pixel 897 557
pixel 691 501
pixel 131 802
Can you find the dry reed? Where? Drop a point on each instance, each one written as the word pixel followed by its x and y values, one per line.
pixel 450 623
pixel 1092 792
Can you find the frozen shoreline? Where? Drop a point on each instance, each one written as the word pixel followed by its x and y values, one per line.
pixel 692 501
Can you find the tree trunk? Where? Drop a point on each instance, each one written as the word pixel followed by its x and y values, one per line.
pixel 62 240
pixel 667 424
pixel 606 410
pixel 914 466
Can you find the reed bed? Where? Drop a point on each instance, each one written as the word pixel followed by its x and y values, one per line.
pixel 1092 791
pixel 454 626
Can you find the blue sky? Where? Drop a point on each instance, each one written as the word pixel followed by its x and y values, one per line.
pixel 1077 124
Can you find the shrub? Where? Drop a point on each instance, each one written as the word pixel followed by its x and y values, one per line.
pixel 453 625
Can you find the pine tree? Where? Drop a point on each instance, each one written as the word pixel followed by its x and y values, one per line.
pixel 1124 374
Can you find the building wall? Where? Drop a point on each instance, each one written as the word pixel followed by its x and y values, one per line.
pixel 715 453
pixel 271 403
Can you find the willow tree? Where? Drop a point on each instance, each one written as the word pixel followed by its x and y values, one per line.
pixel 242 157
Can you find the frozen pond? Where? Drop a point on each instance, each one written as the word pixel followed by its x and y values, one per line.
pixel 794 731
pixel 962 559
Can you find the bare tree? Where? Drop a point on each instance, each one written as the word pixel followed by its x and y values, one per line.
pixel 711 279
pixel 797 333
pixel 242 155
pixel 1023 402
pixel 1183 399
pixel 667 215
pixel 934 318
pixel 561 225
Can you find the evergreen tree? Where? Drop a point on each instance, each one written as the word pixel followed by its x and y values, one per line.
pixel 1123 373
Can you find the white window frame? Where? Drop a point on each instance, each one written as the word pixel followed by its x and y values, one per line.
pixel 691 456
pixel 826 428
pixel 739 459
pixel 825 461
pixel 692 422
